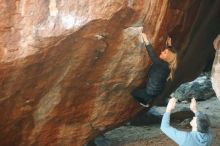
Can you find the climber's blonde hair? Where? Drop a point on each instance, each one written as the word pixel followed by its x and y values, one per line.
pixel 172 61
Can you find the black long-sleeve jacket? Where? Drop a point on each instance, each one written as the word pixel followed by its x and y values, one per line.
pixel 158 73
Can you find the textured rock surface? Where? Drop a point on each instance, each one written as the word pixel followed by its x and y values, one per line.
pixel 200 89
pixel 67 67
pixel 215 78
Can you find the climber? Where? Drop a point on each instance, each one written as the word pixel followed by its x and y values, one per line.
pixel 161 70
pixel 200 134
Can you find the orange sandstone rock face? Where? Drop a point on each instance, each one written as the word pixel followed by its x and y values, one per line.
pixel 215 77
pixel 67 67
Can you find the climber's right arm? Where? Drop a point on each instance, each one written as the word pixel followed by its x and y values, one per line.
pixel 150 49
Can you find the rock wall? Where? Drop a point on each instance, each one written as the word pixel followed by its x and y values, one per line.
pixel 67 67
pixel 215 78
pixel 200 89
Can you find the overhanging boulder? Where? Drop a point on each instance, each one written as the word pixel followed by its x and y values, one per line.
pixel 67 68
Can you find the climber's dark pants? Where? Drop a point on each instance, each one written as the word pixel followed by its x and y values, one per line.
pixel 142 96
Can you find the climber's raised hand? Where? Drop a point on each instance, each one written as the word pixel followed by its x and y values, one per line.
pixel 144 36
